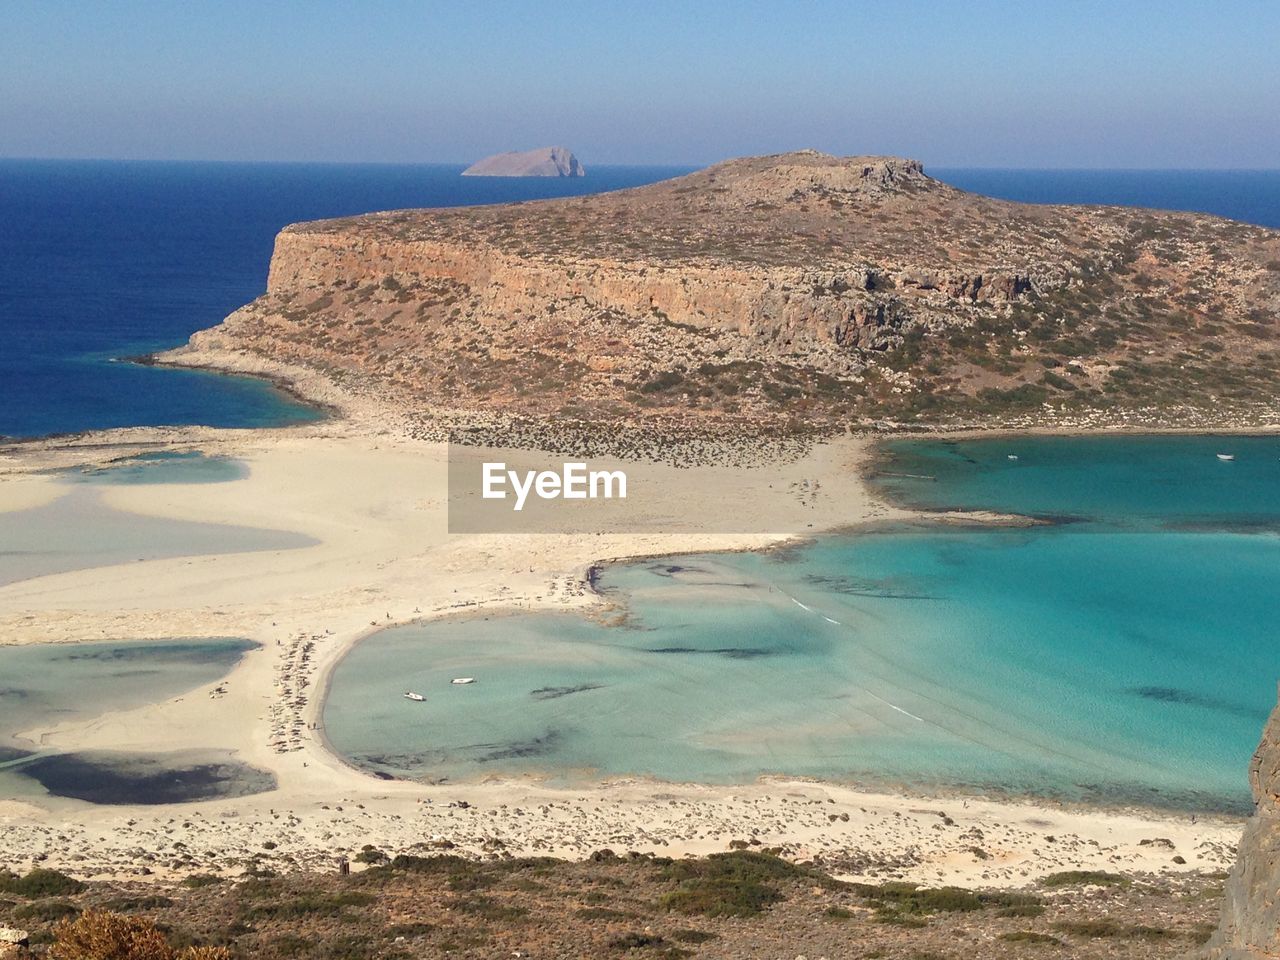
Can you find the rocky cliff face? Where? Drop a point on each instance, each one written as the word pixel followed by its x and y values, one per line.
pixel 800 287
pixel 543 162
pixel 1250 926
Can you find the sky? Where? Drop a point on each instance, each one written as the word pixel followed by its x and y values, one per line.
pixel 994 83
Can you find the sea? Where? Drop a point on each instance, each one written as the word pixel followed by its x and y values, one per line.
pixel 104 261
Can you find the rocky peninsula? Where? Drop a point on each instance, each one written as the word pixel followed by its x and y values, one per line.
pixel 798 290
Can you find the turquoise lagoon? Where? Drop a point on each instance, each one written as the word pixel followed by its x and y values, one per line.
pixel 165 466
pixel 1128 656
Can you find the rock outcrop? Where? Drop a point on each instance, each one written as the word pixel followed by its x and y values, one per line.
pixel 543 162
pixel 799 288
pixel 1250 925
pixel 13 943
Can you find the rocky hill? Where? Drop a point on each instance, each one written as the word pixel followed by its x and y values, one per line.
pixel 784 290
pixel 543 162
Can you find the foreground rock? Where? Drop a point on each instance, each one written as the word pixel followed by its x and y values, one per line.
pixel 543 162
pixel 1250 926
pixel 13 943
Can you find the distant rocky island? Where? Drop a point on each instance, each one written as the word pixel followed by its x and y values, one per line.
pixel 543 162
pixel 800 290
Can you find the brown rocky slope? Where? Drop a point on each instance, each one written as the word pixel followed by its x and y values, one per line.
pixel 798 288
pixel 1250 926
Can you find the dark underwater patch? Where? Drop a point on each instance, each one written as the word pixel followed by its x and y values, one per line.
pixel 154 778
pixel 733 653
pixel 196 652
pixel 520 749
pixel 887 588
pixel 1239 525
pixel 553 693
pixel 1192 699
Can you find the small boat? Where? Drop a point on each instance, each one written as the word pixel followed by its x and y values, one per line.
pixel 463 680
pixel 415 697
pixel 1013 456
pixel 1226 456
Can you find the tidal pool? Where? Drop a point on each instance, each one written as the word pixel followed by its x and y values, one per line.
pixel 43 685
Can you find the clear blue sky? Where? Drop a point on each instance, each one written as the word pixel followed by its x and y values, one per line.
pixel 1074 83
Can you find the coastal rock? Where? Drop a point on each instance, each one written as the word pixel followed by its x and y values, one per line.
pixel 1250 925
pixel 543 162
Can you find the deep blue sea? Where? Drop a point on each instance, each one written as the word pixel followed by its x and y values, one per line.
pixel 105 260
pixel 1249 195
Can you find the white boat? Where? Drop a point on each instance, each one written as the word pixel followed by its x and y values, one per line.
pixel 1226 456
pixel 463 680
pixel 1013 456
pixel 416 697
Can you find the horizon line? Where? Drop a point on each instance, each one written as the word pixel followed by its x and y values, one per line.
pixel 606 165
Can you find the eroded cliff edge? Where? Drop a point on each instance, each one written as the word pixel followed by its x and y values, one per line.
pixel 792 289
pixel 1250 926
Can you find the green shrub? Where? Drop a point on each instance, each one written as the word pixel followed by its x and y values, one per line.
pixel 1106 928
pixel 1030 936
pixel 46 911
pixel 491 909
pixel 1071 878
pixel 198 880
pixel 736 884
pixel 39 883
pixel 371 854
pixel 444 863
pixel 693 936
pixel 310 905
pixel 134 904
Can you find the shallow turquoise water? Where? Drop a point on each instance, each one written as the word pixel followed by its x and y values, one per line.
pixel 1127 658
pixel 42 685
pixel 165 467
pixel 47 683
pixel 1153 480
